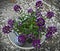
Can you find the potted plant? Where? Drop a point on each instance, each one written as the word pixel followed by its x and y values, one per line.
pixel 29 30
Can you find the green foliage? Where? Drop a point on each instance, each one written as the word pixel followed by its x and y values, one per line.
pixel 28 26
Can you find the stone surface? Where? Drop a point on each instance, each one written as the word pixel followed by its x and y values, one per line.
pixel 5 45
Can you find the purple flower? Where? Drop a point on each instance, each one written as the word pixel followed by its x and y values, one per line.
pixel 48 34
pixel 6 29
pixel 30 10
pixel 10 22
pixel 42 28
pixel 36 43
pixel 38 14
pixel 52 29
pixel 40 21
pixel 30 38
pixel 22 38
pixel 17 8
pixel 50 14
pixel 19 23
pixel 39 3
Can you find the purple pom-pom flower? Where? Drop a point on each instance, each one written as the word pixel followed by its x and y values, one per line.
pixel 10 22
pixel 21 38
pixel 31 36
pixel 19 23
pixel 17 8
pixel 50 14
pixel 42 28
pixel 38 14
pixel 30 10
pixel 36 43
pixel 40 21
pixel 48 34
pixel 39 3
pixel 6 29
pixel 52 29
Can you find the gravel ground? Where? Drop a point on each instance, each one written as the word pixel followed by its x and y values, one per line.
pixel 5 45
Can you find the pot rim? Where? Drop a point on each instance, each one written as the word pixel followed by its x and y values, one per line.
pixel 19 46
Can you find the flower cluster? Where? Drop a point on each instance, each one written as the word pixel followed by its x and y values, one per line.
pixel 30 26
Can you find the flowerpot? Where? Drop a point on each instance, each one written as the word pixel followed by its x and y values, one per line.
pixel 14 40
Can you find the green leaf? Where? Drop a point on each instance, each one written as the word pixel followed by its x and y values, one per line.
pixel 28 26
pixel 35 33
pixel 40 35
